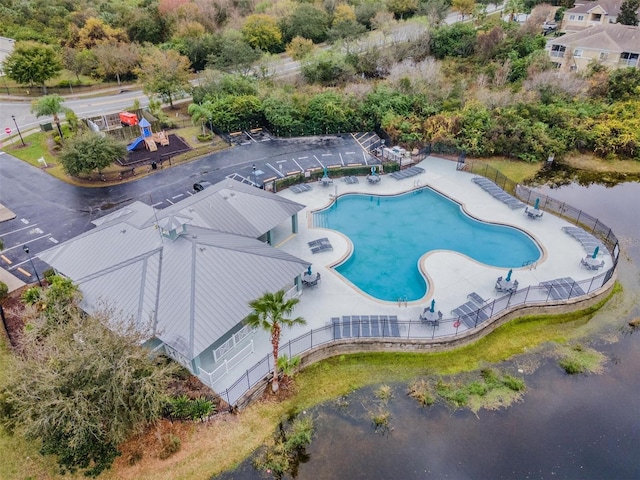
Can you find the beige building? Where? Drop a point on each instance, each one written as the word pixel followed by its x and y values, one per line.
pixel 612 45
pixel 589 14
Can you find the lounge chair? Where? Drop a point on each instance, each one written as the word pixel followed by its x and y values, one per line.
pixel 384 322
pixel 335 323
pixel 355 326
pixel 319 241
pixel 395 328
pixel 364 322
pixel 346 327
pixel 375 326
pixel 321 248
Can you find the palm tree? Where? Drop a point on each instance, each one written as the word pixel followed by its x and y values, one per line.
pixel 269 313
pixel 49 105
pixel 201 113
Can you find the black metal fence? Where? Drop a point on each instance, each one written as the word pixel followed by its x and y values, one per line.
pixel 450 328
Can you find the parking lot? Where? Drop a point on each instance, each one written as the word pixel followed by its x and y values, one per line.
pixel 49 211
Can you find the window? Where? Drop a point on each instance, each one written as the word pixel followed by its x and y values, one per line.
pixel 577 53
pixel 572 17
pixel 558 50
pixel 580 18
pixel 604 56
pixel 629 59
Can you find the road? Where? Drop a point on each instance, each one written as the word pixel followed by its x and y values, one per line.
pixel 284 66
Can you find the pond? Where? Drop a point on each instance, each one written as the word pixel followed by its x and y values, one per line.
pixel 582 427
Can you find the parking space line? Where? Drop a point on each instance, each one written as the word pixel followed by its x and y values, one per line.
pixel 349 153
pixel 281 161
pixel 302 158
pixel 169 201
pixel 6 259
pixel 156 204
pixel 190 194
pixel 364 155
pixel 319 161
pixel 294 161
pixel 24 272
pixel 327 155
pixel 279 173
pixel 178 196
pixel 25 221
pixel 53 240
pixel 18 230
pixel 25 243
pixel 341 159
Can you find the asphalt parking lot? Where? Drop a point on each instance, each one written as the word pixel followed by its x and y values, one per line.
pixel 49 211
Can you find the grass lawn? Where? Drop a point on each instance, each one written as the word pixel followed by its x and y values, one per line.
pixel 516 170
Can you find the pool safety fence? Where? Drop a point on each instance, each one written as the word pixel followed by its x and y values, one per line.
pixel 451 325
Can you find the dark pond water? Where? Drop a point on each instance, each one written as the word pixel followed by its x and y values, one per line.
pixel 570 427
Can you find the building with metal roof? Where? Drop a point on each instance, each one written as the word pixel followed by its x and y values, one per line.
pixel 187 272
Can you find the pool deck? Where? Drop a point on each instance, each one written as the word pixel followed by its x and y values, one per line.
pixel 451 276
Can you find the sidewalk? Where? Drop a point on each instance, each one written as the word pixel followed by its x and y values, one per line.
pixel 74 96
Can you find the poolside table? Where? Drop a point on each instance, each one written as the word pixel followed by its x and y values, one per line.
pixel 431 318
pixel 592 263
pixel 373 178
pixel 533 212
pixel 503 286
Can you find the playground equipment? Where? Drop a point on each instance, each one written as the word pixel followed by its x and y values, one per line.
pixel 148 137
pixel 128 118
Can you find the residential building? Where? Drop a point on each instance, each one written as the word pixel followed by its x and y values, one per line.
pixel 612 45
pixel 586 14
pixel 186 273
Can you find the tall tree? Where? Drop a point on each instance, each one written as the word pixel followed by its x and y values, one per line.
pixel 463 7
pixel 262 32
pixel 49 105
pixel 32 63
pixel 117 58
pixel 269 314
pixel 164 73
pixel 81 387
pixel 629 12
pixel 89 152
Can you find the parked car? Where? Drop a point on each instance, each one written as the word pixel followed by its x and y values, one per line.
pixel 199 186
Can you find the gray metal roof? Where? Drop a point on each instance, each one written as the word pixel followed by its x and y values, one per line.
pixel 233 207
pixel 193 289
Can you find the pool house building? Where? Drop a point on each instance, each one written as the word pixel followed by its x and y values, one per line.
pixel 186 273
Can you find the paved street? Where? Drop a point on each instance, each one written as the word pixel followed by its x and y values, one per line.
pixel 49 211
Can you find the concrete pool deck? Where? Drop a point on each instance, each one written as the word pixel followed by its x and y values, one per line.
pixel 451 276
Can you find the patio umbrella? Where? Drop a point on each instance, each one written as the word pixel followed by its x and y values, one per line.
pixel 508 279
pixel 595 252
pixel 309 270
pixel 373 170
pixel 433 304
pixel 324 171
pixel 537 205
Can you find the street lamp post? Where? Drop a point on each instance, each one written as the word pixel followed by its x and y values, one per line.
pixel 16 124
pixel 254 175
pixel 383 142
pixel 26 250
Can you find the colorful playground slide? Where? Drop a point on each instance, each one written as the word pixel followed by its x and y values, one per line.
pixel 132 146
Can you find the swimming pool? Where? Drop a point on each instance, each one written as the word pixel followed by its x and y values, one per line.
pixel 391 233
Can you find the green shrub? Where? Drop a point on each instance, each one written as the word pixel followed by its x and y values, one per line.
pixel 31 295
pixel 206 137
pixel 48 274
pixel 180 407
pixel 571 366
pixel 299 436
pixel 477 388
pixel 201 408
pixel 4 290
pixel 513 383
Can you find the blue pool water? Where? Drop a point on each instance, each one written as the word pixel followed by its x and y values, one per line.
pixel 391 233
